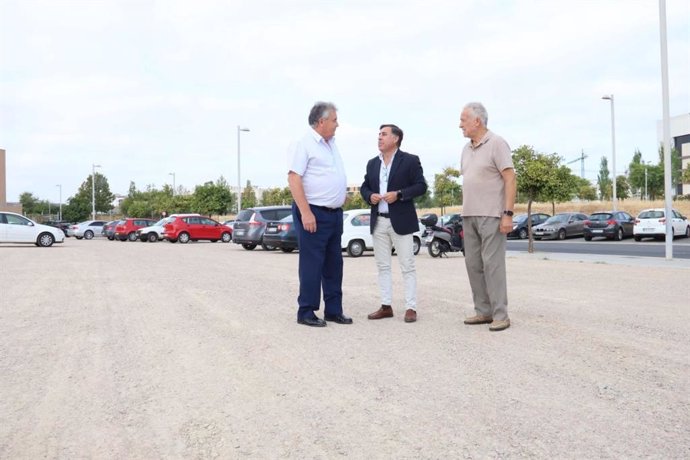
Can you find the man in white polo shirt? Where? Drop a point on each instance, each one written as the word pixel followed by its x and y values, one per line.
pixel 489 189
pixel 318 184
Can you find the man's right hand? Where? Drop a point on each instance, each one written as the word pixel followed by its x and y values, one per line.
pixel 309 221
pixel 375 198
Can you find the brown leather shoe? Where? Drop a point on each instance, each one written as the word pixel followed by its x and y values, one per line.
pixel 384 312
pixel 499 325
pixel 476 319
pixel 410 316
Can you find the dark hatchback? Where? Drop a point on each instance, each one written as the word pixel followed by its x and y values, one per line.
pixel 520 224
pixel 281 234
pixel 614 225
pixel 250 225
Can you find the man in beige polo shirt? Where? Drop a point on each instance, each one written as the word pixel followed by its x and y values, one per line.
pixel 487 209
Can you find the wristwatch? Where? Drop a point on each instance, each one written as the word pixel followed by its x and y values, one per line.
pixel 400 194
pixel 508 213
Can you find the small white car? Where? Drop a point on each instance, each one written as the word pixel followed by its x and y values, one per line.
pixel 356 237
pixel 651 223
pixel 154 232
pixel 15 228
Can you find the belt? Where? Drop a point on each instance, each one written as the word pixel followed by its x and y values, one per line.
pixel 326 208
pixel 384 214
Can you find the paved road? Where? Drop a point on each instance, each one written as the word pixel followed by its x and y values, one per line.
pixel 681 247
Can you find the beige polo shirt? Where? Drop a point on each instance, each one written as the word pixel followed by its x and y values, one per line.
pixel 483 189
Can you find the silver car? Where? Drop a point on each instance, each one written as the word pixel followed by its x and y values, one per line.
pixel 561 226
pixel 87 229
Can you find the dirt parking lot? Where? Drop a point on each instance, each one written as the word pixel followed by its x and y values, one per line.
pixel 141 351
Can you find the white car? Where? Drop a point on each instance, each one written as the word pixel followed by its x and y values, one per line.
pixel 15 228
pixel 154 232
pixel 356 237
pixel 651 223
pixel 87 229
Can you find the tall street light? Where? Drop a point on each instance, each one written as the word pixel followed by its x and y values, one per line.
pixel 613 147
pixel 239 184
pixel 173 174
pixel 93 190
pixel 60 213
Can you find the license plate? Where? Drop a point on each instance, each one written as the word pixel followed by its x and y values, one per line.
pixel 271 230
pixel 647 230
pixel 239 232
pixel 597 231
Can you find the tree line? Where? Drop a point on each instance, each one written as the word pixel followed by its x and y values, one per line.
pixel 541 178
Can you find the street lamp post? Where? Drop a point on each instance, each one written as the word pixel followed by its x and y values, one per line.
pixel 613 147
pixel 646 196
pixel 93 190
pixel 239 183
pixel 173 174
pixel 60 213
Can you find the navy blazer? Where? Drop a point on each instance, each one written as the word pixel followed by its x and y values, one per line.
pixel 406 175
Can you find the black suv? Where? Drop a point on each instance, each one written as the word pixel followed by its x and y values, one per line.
pixel 250 225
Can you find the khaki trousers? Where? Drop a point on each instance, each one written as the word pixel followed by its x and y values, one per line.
pixel 384 238
pixel 485 260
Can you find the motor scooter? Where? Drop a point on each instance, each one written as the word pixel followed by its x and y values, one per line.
pixel 445 239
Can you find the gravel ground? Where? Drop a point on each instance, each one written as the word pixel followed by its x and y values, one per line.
pixel 141 351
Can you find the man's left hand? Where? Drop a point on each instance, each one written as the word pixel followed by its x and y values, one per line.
pixel 506 224
pixel 390 197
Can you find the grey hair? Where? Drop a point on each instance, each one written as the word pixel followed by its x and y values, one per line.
pixel 479 111
pixel 319 111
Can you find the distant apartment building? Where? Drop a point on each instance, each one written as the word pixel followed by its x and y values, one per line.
pixel 4 205
pixel 680 140
pixel 352 190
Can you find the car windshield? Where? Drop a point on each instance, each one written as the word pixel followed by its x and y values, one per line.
pixel 651 215
pixel 600 216
pixel 161 222
pixel 287 218
pixel 520 218
pixel 557 219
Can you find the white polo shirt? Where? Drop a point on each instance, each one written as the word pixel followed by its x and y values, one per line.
pixel 319 164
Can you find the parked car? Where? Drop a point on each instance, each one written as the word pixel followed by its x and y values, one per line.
pixel 448 219
pixel 109 229
pixel 230 223
pixel 154 232
pixel 561 226
pixel 61 224
pixel 15 228
pixel 614 225
pixel 520 224
pixel 87 229
pixel 281 234
pixel 126 229
pixel 194 228
pixel 356 237
pixel 651 223
pixel 250 225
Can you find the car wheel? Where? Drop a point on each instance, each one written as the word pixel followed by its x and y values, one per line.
pixel 183 237
pixel 434 248
pixel 249 247
pixel 213 241
pixel 416 245
pixel 286 250
pixel 619 234
pixel 132 236
pixel 88 234
pixel 152 237
pixel 355 248
pixel 111 238
pixel 637 238
pixel 45 240
pixel 79 237
pixel 561 234
pixel 687 232
pixel 588 238
pixel 226 237
pixel 267 247
pixel 523 234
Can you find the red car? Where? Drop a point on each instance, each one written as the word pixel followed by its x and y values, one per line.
pixel 185 228
pixel 126 229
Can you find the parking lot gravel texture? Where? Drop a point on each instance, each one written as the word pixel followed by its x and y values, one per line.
pixel 130 350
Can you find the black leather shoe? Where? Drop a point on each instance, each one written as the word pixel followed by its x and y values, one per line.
pixel 340 319
pixel 314 322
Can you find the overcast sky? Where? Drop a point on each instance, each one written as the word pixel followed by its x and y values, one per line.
pixel 146 88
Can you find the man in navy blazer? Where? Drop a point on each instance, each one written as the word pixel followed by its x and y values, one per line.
pixel 393 180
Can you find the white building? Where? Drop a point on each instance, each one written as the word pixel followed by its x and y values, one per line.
pixel 680 140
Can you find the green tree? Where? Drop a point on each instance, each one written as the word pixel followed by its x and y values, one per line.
pixel 604 180
pixel 563 184
pixel 622 187
pixel 248 196
pixel 585 190
pixel 276 196
pixel 30 203
pixel 535 174
pixel 79 206
pixel 425 201
pixel 212 198
pixel 676 165
pixel 355 201
pixel 447 191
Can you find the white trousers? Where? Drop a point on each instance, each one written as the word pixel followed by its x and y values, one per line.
pixel 384 240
